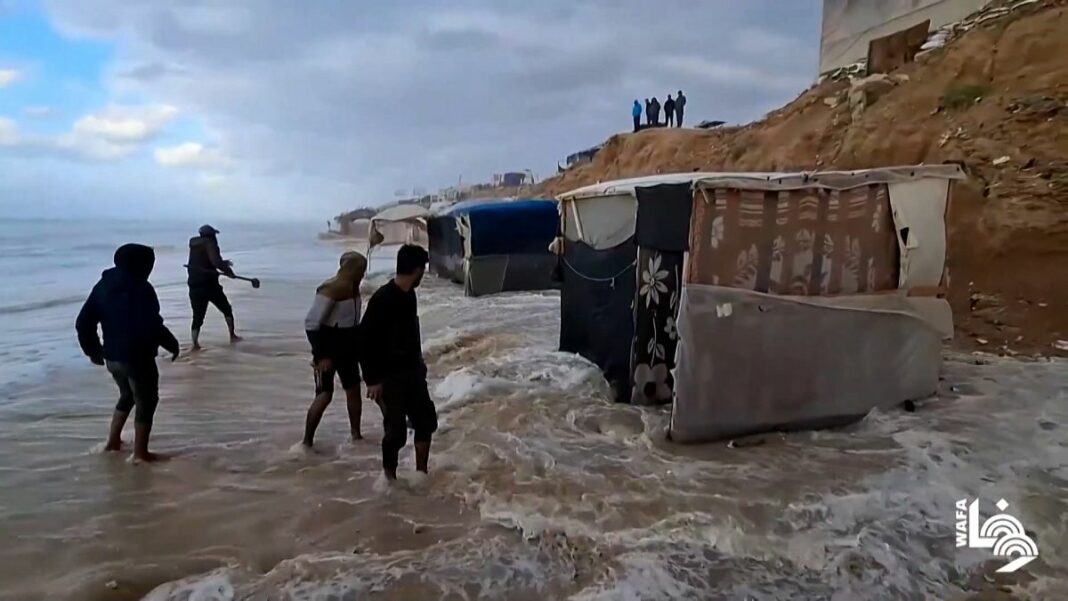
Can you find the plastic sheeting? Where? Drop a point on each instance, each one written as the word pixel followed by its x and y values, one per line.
pixel 749 362
pixel 400 224
pixel 919 208
pixel 495 245
pixel 446 247
pixel 490 274
pixel 510 227
pixel 602 221
pixel 596 308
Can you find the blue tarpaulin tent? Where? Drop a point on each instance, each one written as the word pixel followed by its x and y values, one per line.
pixel 495 245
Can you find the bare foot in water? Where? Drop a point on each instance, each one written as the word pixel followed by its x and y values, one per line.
pixel 111 447
pixel 150 457
pixel 234 339
pixel 356 436
pixel 196 348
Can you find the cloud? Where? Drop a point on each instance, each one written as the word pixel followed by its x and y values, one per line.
pixel 9 131
pixel 362 99
pixel 125 124
pixel 41 112
pixel 111 134
pixel 189 154
pixel 8 77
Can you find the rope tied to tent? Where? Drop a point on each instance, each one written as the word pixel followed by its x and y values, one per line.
pixel 611 281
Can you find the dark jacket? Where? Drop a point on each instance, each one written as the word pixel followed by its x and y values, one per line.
pixel 391 347
pixel 669 107
pixel 124 305
pixel 205 262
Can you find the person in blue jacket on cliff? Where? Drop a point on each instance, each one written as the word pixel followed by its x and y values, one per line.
pixel 636 112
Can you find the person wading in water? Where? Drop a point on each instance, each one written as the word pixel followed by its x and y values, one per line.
pixel 124 304
pixel 205 265
pixel 393 366
pixel 331 326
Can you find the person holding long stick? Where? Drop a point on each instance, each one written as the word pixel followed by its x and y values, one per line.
pixel 204 267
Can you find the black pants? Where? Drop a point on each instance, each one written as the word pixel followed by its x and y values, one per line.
pixel 678 117
pixel 404 400
pixel 138 384
pixel 200 296
pixel 637 123
pixel 668 118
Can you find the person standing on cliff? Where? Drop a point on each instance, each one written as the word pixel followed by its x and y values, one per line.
pixel 636 113
pixel 332 327
pixel 392 360
pixel 648 112
pixel 124 305
pixel 680 108
pixel 669 111
pixel 656 111
pixel 205 265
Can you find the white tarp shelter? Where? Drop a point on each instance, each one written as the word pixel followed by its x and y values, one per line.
pixel 400 224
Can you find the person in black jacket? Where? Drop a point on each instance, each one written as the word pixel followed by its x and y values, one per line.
pixel 392 361
pixel 669 111
pixel 331 326
pixel 124 305
pixel 205 265
pixel 656 111
pixel 680 108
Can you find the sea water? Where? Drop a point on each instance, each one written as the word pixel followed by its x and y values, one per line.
pixel 540 488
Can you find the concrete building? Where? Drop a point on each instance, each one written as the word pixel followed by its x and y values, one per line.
pixel 850 25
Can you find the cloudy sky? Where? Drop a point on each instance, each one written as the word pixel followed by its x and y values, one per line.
pixel 281 109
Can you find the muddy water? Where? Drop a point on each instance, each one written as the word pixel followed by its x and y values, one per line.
pixel 540 488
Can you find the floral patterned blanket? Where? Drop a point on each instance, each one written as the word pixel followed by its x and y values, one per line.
pixel 807 242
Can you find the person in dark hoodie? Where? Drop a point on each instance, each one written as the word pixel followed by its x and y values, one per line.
pixel 669 111
pixel 124 305
pixel 331 326
pixel 393 366
pixel 648 112
pixel 656 111
pixel 205 265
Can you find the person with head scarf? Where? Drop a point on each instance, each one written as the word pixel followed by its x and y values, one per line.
pixel 332 327
pixel 205 265
pixel 123 304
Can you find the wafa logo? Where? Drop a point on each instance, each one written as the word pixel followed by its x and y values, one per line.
pixel 1002 533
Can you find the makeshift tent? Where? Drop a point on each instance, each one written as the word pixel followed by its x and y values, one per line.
pixel 495 245
pixel 795 300
pixel 400 224
pixel 597 298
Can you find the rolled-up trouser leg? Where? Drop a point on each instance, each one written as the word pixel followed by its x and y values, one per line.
pixel 121 374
